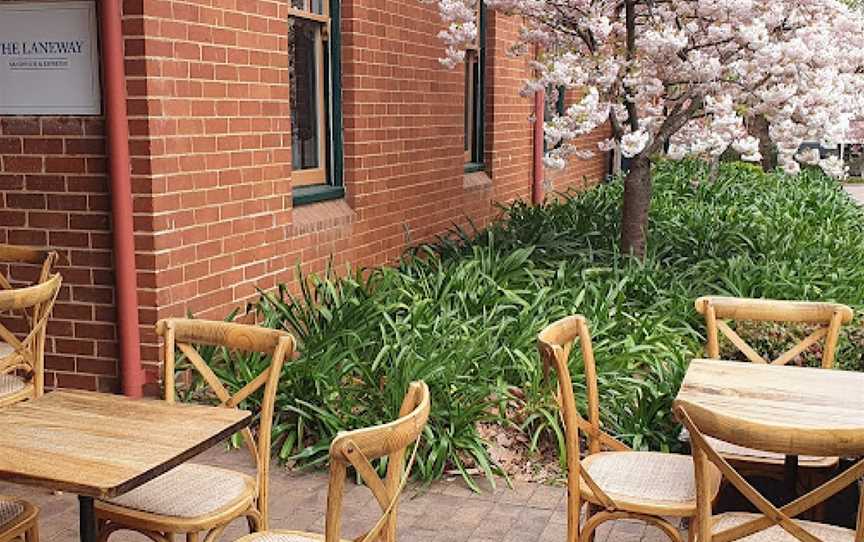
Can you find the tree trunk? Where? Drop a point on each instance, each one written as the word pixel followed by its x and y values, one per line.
pixel 758 128
pixel 637 200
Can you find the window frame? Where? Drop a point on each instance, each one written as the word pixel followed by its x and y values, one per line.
pixel 559 110
pixel 475 159
pixel 327 179
pixel 560 102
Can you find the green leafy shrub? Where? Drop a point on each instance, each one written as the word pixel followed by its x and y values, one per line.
pixel 463 313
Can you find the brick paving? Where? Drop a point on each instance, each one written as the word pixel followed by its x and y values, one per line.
pixel 856 191
pixel 446 511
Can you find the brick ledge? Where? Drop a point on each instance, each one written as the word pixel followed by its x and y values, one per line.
pixel 322 216
pixel 476 180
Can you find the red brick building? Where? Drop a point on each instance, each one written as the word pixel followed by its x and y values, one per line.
pixel 262 135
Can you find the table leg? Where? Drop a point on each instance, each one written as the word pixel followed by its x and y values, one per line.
pixel 86 519
pixel 790 476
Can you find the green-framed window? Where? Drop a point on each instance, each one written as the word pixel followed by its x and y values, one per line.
pixel 552 109
pixel 315 100
pixel 475 103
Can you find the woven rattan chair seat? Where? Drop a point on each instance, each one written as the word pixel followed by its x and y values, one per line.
pixel 825 533
pixel 188 491
pixel 642 477
pixel 10 384
pixel 5 349
pixel 9 510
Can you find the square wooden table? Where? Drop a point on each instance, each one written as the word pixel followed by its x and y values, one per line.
pixel 810 411
pixel 100 445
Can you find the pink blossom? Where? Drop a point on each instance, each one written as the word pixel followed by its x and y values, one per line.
pixel 698 73
pixel 834 167
pixel 789 165
pixel 606 145
pixel 634 142
pixel 808 156
pixel 748 147
pixel 676 152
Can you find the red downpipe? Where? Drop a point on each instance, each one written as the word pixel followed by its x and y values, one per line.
pixel 117 132
pixel 537 192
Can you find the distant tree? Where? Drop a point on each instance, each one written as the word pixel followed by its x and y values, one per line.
pixel 685 78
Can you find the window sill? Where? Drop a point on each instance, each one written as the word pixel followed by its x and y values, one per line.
pixel 476 180
pixel 304 195
pixel 322 216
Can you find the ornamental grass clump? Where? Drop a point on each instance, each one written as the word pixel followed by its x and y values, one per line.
pixel 463 313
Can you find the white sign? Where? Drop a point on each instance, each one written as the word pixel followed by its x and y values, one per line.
pixel 49 63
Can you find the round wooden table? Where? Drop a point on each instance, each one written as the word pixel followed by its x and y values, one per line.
pixel 786 410
pixel 790 410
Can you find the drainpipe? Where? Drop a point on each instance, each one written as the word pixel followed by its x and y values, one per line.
pixel 119 174
pixel 537 193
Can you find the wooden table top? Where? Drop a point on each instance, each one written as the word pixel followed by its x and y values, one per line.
pixel 791 410
pixel 104 445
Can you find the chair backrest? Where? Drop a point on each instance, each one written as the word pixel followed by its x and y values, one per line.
pixel 184 334
pixel 47 258
pixel 555 343
pixel 28 354
pixel 360 447
pixel 828 317
pixel 698 421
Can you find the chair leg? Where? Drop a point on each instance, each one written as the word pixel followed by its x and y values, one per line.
pixel 32 534
pixel 103 530
pixel 592 521
pixel 254 521
pixel 670 531
pixel 813 479
pixel 590 511
pixel 215 533
pixel 691 529
pixel 191 537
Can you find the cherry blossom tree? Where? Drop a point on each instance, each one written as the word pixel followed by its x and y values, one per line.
pixel 686 78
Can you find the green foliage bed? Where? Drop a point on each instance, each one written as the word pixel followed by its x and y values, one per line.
pixel 463 314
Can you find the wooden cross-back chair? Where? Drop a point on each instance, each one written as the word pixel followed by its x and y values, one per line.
pixel 22 361
pixel 613 480
pixel 828 319
pixel 359 449
pixel 770 524
pixel 18 520
pixel 12 254
pixel 194 498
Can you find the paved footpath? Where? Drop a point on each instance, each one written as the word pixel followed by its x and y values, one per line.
pixel 856 191
pixel 446 511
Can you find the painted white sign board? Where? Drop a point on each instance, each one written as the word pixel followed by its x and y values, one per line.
pixel 49 59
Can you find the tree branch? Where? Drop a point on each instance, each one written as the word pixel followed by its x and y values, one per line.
pixel 630 24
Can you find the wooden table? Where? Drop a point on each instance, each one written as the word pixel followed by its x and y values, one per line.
pixel 99 445
pixel 809 411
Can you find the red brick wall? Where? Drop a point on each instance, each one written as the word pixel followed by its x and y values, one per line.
pixel 54 193
pixel 210 141
pixel 509 130
pixel 403 120
pixel 210 135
